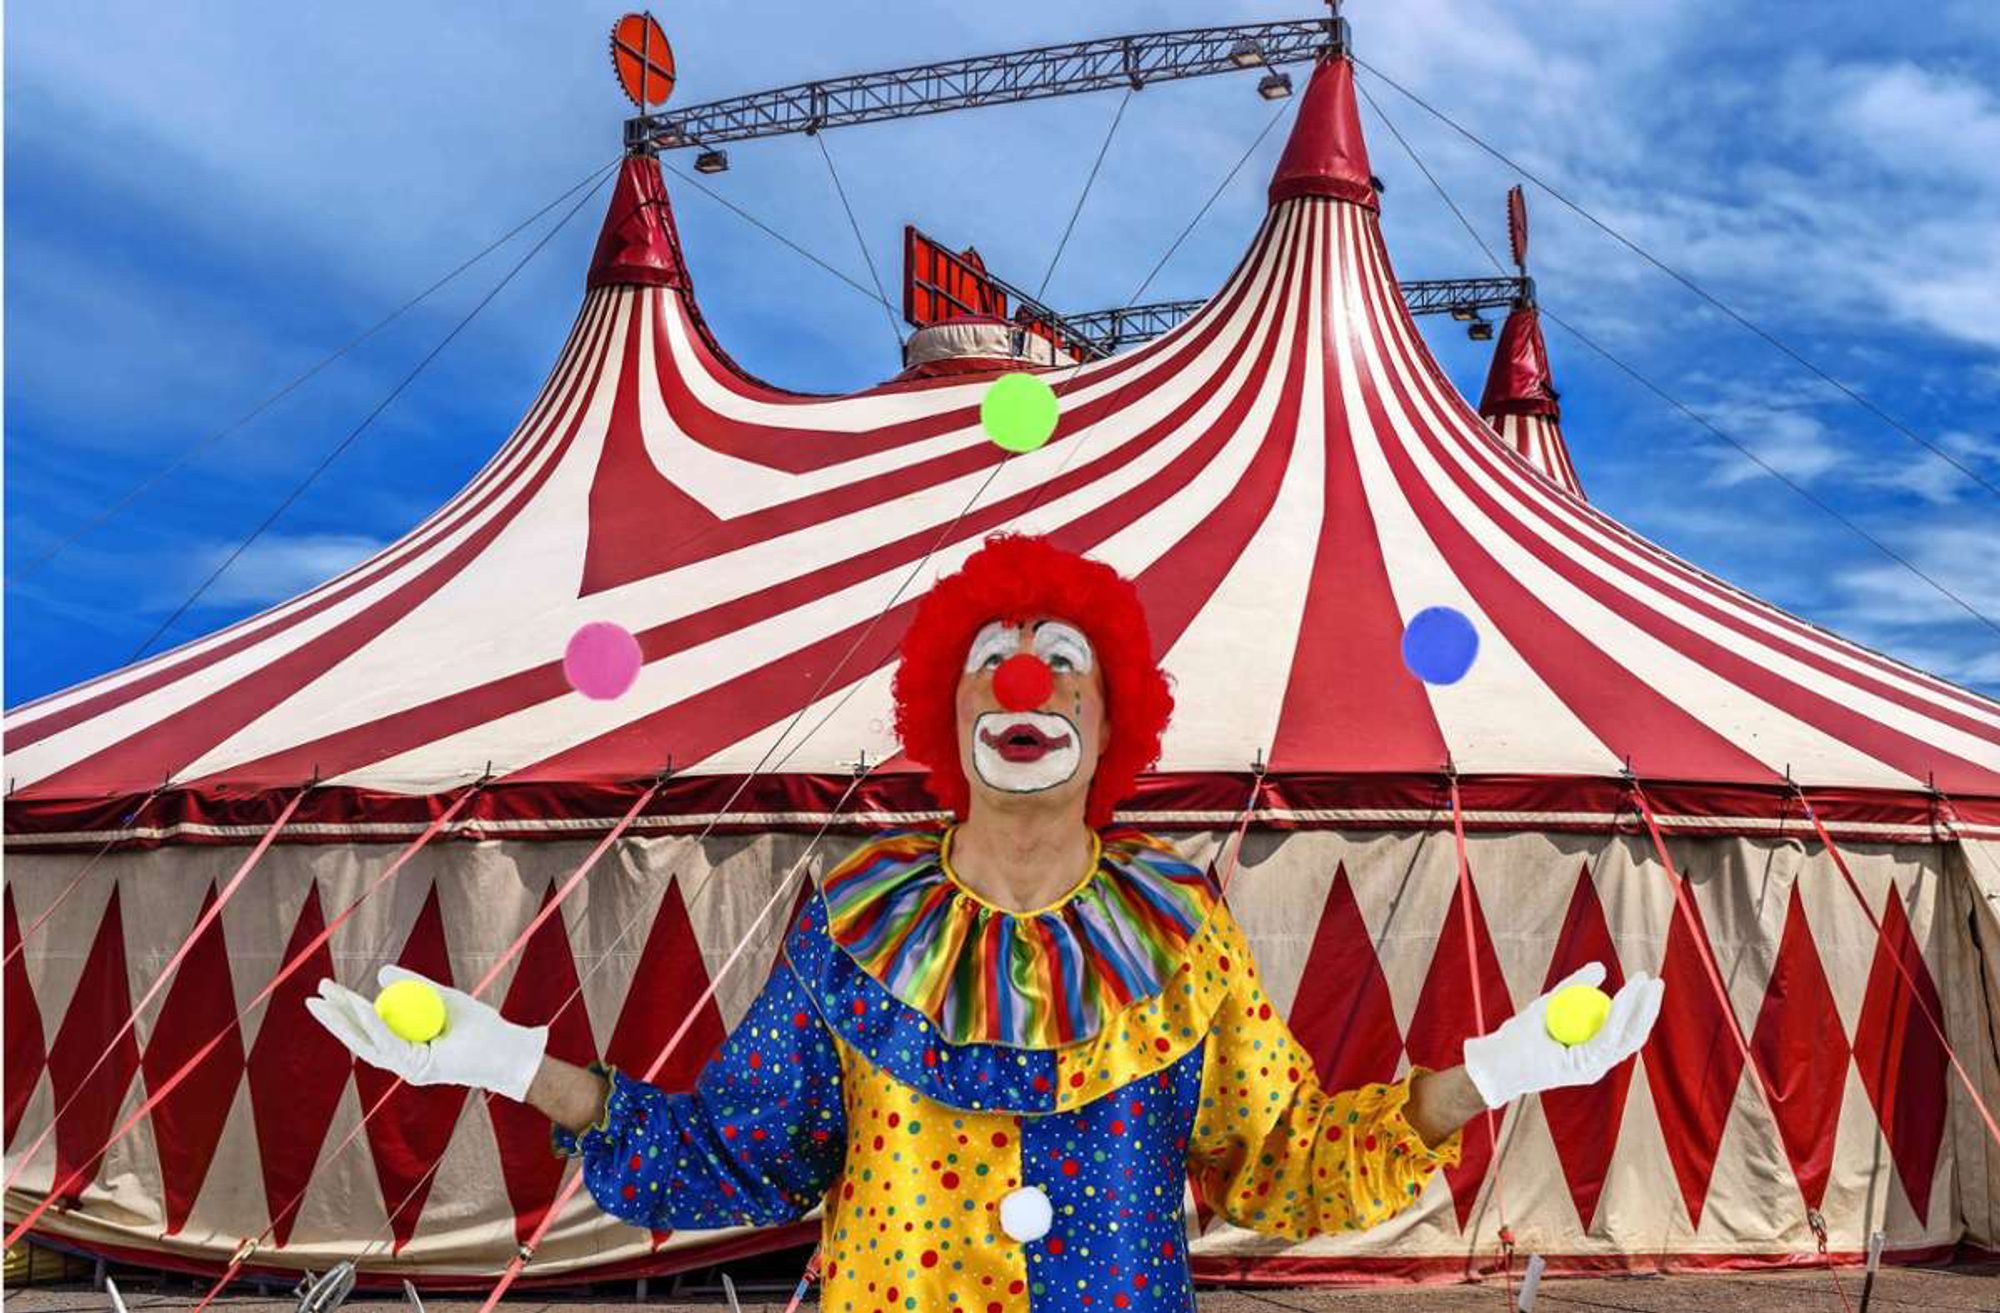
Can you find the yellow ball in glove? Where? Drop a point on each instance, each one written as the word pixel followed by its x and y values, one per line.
pixel 415 1011
pixel 1577 1013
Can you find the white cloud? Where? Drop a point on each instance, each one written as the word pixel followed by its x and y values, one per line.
pixel 275 567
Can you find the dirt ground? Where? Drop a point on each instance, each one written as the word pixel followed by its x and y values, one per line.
pixel 1897 1290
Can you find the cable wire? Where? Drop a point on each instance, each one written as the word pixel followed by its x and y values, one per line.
pixel 765 228
pixel 1678 404
pixel 1689 283
pixel 1084 195
pixel 1212 196
pixel 299 489
pixel 896 332
pixel 112 511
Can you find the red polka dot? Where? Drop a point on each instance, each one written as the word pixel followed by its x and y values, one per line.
pixel 756 1058
pixel 891 1294
pixel 1120 1300
pixel 930 1057
pixel 630 1192
pixel 878 1142
pixel 1166 1249
pixel 895 1119
pixel 1138 1108
pixel 1263 1012
pixel 1118 1126
pixel 859 1008
pixel 995 1307
pixel 1222 962
pixel 799 1020
pixel 1076 1080
pixel 1055 1244
pixel 999 1139
pixel 1016 1287
pixel 949 1180
pixel 636 1163
pixel 729 1131
pixel 1139 1281
pixel 929 1258
pixel 1333 1132
pixel 1041 1084
pixel 1071 1167
pixel 1161 1044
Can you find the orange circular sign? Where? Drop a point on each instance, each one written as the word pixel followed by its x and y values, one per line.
pixel 643 59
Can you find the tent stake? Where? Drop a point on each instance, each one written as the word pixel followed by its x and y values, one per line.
pixel 1875 1239
pixel 1530 1281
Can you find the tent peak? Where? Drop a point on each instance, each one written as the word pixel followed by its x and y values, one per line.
pixel 638 243
pixel 1326 154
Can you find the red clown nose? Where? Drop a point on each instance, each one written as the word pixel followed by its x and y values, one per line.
pixel 1023 682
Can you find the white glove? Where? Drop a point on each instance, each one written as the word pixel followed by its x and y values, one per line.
pixel 479 1047
pixel 1521 1058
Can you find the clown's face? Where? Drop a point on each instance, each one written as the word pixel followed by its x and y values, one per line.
pixel 1031 720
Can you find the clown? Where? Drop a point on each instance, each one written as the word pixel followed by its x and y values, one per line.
pixel 996 1051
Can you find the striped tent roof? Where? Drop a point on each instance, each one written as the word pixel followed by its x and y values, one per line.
pixel 1520 399
pixel 1288 475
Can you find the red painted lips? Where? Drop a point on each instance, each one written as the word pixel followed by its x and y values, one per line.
pixel 1022 742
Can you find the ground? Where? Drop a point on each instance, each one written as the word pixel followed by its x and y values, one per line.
pixel 1897 1290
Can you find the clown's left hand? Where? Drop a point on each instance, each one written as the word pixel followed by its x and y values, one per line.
pixel 1521 1057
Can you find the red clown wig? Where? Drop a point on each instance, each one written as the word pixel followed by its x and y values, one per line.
pixel 1015 578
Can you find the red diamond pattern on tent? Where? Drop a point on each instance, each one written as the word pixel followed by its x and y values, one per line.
pixel 670 976
pixel 544 980
pixel 1902 1060
pixel 1801 1053
pixel 1444 1020
pixel 25 1056
pixel 1344 1014
pixel 1692 1064
pixel 187 1124
pixel 409 1134
pixel 1584 1119
pixel 98 1008
pixel 298 1074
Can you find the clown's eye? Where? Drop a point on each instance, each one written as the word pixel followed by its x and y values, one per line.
pixel 992 661
pixel 1057 661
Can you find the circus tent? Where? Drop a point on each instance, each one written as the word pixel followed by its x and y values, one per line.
pixel 1633 771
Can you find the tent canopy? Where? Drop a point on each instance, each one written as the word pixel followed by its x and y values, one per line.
pixel 1288 476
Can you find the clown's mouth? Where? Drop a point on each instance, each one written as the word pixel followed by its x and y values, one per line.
pixel 1021 742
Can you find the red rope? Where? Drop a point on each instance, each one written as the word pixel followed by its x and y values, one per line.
pixel 1916 995
pixel 285 973
pixel 160 981
pixel 512 951
pixel 1479 1020
pixel 76 882
pixel 1685 907
pixel 1242 827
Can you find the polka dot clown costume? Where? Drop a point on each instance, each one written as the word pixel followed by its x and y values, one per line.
pixel 996 1052
pixel 999 1109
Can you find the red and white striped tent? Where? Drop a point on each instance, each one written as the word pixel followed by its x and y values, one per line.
pixel 1289 477
pixel 1520 399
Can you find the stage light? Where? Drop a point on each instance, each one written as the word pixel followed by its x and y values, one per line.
pixel 1275 86
pixel 1246 53
pixel 1480 330
pixel 712 161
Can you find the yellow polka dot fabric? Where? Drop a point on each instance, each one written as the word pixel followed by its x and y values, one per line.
pixel 1275 1153
pixel 915 1223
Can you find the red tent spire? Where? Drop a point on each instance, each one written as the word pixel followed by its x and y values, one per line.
pixel 1326 155
pixel 1520 398
pixel 638 243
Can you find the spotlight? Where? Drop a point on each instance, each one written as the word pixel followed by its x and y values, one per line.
pixel 1462 313
pixel 712 161
pixel 1246 53
pixel 1275 86
pixel 1480 330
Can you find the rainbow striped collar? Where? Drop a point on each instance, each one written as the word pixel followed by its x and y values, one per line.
pixel 1033 980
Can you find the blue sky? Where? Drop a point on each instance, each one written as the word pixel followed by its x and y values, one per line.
pixel 201 203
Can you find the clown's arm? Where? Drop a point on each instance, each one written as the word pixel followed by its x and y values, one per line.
pixel 1275 1152
pixel 757 1142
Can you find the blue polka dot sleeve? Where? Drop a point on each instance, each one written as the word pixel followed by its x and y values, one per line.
pixel 757 1142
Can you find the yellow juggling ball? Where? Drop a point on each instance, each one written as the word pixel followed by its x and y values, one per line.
pixel 413 1010
pixel 1577 1013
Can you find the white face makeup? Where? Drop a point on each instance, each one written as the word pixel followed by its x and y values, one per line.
pixel 1028 751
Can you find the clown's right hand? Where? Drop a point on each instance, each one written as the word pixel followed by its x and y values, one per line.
pixel 479 1047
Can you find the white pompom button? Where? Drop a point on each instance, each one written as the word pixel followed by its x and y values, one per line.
pixel 1025 1214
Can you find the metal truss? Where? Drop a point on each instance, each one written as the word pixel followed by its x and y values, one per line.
pixel 1109 62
